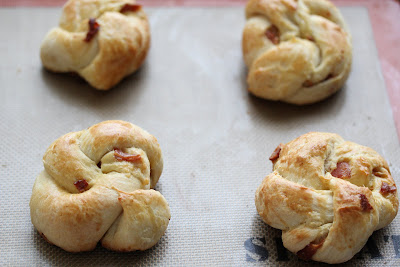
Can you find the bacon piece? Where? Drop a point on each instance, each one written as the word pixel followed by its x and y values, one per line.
pixel 272 34
pixel 342 170
pixel 275 155
pixel 94 27
pixel 121 156
pixel 310 38
pixel 81 185
pixel 386 188
pixel 308 251
pixel 130 8
pixel 365 203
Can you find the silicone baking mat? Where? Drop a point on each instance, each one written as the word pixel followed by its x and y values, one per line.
pixel 215 137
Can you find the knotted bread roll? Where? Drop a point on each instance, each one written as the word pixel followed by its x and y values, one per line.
pixel 327 196
pixel 296 51
pixel 101 40
pixel 96 186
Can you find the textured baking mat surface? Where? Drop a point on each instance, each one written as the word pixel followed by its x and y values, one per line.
pixel 215 137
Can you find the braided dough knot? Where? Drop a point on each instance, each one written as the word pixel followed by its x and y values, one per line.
pixel 296 51
pixel 102 41
pixel 96 186
pixel 327 196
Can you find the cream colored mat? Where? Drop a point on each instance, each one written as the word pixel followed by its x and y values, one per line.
pixel 216 138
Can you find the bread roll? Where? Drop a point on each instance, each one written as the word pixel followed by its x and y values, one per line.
pixel 101 40
pixel 298 52
pixel 327 196
pixel 96 186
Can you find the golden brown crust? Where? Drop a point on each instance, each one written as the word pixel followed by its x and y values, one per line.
pixel 321 216
pixel 296 51
pixel 115 51
pixel 86 193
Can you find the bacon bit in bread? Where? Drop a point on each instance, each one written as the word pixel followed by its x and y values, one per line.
pixel 342 170
pixel 386 188
pixel 130 8
pixel 81 185
pixel 93 29
pixel 365 203
pixel 275 155
pixel 272 34
pixel 308 251
pixel 121 156
pixel 310 38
